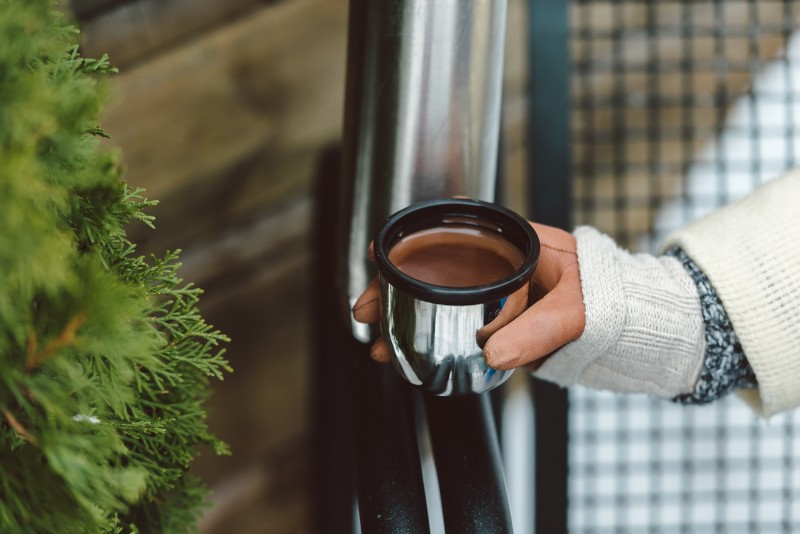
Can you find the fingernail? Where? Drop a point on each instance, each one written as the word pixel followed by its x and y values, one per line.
pixel 373 352
pixel 377 354
pixel 496 361
pixel 491 358
pixel 358 306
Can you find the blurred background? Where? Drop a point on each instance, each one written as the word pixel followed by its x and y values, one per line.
pixel 222 109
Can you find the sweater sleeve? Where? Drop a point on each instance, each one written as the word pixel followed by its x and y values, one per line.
pixel 725 366
pixel 750 252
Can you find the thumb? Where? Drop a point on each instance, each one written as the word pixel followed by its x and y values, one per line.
pixel 552 322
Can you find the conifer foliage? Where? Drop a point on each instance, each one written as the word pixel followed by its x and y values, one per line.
pixel 104 359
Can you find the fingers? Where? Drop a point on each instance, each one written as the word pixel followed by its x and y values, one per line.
pixel 514 306
pixel 380 351
pixel 367 308
pixel 557 319
pixel 558 252
pixel 554 238
pixel 557 316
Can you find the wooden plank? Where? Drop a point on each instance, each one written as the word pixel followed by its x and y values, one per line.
pixel 86 9
pixel 131 31
pixel 270 495
pixel 228 126
pixel 265 402
pixel 251 256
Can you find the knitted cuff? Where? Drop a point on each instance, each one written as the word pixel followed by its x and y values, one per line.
pixel 644 328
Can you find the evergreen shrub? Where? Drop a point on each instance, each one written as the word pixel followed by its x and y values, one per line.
pixel 105 361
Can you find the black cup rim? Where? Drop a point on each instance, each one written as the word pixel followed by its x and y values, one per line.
pixel 431 213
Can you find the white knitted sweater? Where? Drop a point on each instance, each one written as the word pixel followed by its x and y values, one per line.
pixel 644 326
pixel 750 251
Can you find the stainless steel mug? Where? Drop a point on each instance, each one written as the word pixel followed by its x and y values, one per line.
pixel 435 334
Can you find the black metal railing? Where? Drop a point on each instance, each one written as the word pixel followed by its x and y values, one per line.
pixel 366 451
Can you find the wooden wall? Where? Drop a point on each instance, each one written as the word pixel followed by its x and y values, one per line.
pixel 221 109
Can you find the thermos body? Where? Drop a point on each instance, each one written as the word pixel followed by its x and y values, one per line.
pixel 435 334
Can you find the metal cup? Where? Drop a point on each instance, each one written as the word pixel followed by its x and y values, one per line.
pixel 435 334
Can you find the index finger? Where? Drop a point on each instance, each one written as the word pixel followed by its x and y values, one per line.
pixel 367 308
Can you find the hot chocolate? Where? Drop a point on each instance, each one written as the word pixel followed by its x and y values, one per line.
pixel 456 256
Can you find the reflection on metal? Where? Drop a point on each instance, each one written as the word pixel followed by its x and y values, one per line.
pixel 422 115
pixel 517 439
pixel 434 345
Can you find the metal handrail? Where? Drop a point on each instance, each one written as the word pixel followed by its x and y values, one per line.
pixel 422 120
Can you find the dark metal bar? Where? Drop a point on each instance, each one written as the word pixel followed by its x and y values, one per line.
pixel 549 141
pixel 549 167
pixel 333 463
pixel 364 429
pixel 391 497
pixel 468 465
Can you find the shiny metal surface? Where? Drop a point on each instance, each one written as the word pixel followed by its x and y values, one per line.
pixel 422 116
pixel 438 347
pixel 435 333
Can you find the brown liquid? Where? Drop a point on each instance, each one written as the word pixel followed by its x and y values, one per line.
pixel 456 256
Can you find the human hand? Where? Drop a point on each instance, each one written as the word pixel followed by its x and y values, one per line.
pixel 555 318
pixel 618 321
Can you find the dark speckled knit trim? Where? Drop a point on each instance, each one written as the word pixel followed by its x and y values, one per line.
pixel 725 367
